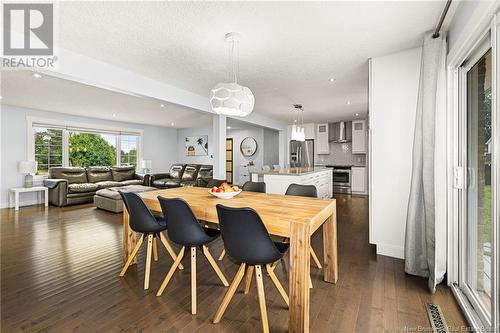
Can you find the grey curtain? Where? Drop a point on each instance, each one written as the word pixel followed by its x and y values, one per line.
pixel 422 256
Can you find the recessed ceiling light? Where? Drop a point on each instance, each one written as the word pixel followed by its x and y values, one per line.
pixel 332 79
pixel 172 124
pixel 162 105
pixel 357 114
pixel 228 127
pixel 114 115
pixel 348 102
pixel 0 97
pixel 36 75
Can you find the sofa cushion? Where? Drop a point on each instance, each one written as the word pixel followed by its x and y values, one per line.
pixel 107 183
pixel 82 187
pixel 167 183
pixel 176 171
pixel 99 174
pixel 188 183
pixel 190 172
pixel 72 174
pixel 132 182
pixel 123 173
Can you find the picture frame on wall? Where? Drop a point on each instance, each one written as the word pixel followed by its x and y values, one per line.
pixel 196 145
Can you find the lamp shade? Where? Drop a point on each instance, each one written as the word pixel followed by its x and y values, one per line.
pixel 27 167
pixel 146 164
pixel 231 99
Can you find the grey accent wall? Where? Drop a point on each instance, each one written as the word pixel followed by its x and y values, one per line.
pixel 159 144
pixel 238 159
pixel 271 147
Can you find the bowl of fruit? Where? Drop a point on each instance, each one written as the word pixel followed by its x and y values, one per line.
pixel 225 191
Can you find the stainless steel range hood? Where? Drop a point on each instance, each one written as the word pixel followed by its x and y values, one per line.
pixel 340 132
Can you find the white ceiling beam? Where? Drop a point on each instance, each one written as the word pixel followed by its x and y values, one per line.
pixel 80 68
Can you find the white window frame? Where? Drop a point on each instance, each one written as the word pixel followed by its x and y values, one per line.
pixel 69 126
pixel 488 23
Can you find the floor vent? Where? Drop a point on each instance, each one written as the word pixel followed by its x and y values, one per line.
pixel 436 318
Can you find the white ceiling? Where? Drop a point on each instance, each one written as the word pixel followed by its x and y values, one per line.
pixel 48 93
pixel 288 52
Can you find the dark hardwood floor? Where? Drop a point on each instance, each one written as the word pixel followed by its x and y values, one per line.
pixel 59 273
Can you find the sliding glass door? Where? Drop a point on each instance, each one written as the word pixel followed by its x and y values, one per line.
pixel 477 278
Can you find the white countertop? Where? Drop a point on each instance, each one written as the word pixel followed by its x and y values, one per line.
pixel 290 171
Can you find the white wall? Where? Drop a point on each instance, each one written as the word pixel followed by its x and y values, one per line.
pixel 159 144
pixel 182 133
pixel 394 89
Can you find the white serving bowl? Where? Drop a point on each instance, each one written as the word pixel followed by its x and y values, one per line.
pixel 224 195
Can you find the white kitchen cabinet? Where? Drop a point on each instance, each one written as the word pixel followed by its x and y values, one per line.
pixel 322 145
pixel 358 180
pixel 359 137
pixel 310 131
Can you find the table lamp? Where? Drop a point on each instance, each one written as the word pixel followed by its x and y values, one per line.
pixel 146 166
pixel 28 168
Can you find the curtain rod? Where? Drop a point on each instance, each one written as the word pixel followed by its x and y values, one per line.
pixel 441 20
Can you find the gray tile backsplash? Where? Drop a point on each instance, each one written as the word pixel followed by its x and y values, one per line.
pixel 341 153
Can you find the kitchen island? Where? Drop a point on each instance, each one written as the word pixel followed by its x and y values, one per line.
pixel 277 181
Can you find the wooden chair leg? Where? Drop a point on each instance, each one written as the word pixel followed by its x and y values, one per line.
pixel 214 265
pixel 155 249
pixel 148 262
pixel 262 299
pixel 248 279
pixel 315 258
pixel 171 272
pixel 273 266
pixel 230 293
pixel 278 285
pixel 310 282
pixel 193 280
pixel 169 249
pixel 222 254
pixel 132 255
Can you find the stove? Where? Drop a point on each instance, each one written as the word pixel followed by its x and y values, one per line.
pixel 341 178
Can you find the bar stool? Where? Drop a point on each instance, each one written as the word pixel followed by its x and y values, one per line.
pixel 249 244
pixel 142 221
pixel 185 230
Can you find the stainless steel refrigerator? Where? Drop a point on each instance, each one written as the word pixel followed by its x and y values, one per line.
pixel 302 154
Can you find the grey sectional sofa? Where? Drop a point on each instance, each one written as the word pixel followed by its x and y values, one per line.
pixel 74 185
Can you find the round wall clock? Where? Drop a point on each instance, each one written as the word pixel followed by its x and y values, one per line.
pixel 248 147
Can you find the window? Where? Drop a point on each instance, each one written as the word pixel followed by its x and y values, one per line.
pixel 55 145
pixel 92 149
pixel 48 148
pixel 128 154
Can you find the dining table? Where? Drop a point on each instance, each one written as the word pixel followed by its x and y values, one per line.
pixel 293 217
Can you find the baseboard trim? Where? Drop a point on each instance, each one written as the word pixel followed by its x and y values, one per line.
pixel 22 203
pixel 391 251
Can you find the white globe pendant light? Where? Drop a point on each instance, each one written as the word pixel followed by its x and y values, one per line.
pixel 298 132
pixel 230 98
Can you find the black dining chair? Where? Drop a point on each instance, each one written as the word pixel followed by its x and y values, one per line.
pixel 248 243
pixel 305 191
pixel 254 187
pixel 250 187
pixel 184 229
pixel 150 226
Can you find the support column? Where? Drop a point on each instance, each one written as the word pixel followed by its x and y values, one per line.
pixel 283 148
pixel 219 146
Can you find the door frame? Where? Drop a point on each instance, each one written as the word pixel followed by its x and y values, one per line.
pixel 470 51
